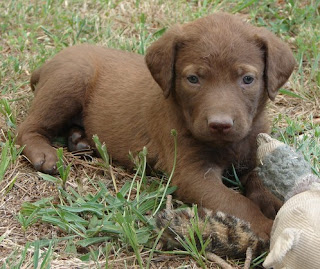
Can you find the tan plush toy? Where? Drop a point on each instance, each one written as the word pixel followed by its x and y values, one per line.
pixel 295 236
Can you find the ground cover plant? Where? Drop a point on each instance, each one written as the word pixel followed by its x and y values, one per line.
pixel 95 214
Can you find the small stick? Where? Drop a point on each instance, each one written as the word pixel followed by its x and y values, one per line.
pixel 169 202
pixel 248 258
pixel 221 262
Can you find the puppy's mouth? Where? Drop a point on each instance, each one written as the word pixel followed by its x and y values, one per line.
pixel 220 138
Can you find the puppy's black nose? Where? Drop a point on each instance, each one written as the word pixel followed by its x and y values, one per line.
pixel 221 124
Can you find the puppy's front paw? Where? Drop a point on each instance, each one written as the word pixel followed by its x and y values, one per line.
pixel 262 229
pixel 44 159
pixel 262 197
pixel 268 204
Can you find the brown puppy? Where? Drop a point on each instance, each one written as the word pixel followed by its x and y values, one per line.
pixel 209 79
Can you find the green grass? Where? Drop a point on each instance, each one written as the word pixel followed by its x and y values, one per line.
pixel 304 136
pixel 96 218
pixel 100 217
pixel 190 243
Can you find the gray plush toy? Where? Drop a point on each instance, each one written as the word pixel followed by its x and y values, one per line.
pixel 283 170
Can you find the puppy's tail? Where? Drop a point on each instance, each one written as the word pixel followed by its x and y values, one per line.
pixel 227 235
pixel 35 77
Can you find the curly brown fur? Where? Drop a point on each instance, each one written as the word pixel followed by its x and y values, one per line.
pixel 228 235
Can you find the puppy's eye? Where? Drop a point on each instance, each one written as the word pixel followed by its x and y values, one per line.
pixel 193 79
pixel 247 79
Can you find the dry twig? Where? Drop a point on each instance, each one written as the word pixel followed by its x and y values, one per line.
pixel 169 202
pixel 221 262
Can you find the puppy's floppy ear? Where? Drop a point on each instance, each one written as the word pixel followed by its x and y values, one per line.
pixel 160 59
pixel 279 61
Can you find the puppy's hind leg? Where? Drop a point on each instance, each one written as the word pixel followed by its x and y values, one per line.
pixel 58 98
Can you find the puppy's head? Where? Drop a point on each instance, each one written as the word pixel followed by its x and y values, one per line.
pixel 220 71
